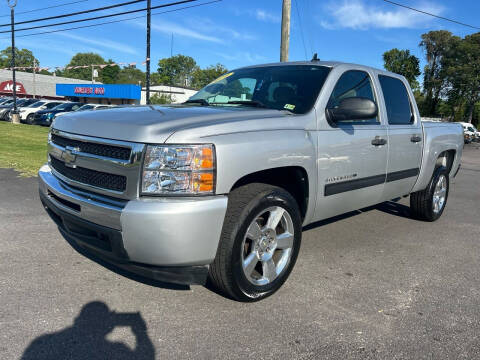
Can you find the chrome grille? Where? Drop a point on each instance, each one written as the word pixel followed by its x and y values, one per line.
pixel 90 177
pixel 98 165
pixel 110 151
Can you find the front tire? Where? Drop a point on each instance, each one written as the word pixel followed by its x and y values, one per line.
pixel 429 204
pixel 259 244
pixel 29 119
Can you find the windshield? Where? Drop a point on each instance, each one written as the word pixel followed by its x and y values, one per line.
pixel 28 102
pixel 289 87
pixel 85 107
pixel 64 106
pixel 37 104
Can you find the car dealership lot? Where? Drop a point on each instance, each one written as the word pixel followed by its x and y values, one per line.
pixel 371 284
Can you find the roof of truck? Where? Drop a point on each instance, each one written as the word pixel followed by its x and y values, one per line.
pixel 318 63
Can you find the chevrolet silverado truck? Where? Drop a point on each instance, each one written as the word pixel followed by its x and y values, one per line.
pixel 220 186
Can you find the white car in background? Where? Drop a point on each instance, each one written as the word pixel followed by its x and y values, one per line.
pixel 27 113
pixel 471 131
pixel 94 107
pixel 85 107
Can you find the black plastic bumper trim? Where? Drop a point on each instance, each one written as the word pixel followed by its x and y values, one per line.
pixel 403 174
pixel 349 185
pixel 81 232
pixel 344 186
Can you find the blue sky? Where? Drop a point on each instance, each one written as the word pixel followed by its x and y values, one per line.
pixel 244 32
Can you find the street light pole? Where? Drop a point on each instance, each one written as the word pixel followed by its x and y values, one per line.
pixel 15 118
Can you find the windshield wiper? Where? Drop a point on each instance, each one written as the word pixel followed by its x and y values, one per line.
pixel 202 102
pixel 248 102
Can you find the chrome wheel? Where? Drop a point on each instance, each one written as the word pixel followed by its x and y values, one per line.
pixel 267 246
pixel 439 194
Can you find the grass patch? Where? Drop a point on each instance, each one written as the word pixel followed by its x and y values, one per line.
pixel 23 147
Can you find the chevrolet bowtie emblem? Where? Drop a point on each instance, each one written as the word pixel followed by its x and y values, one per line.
pixel 69 156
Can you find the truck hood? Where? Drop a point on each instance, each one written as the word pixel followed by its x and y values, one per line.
pixel 154 124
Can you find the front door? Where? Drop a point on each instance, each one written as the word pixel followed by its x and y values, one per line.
pixel 352 154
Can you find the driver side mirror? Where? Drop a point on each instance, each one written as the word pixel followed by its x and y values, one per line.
pixel 353 108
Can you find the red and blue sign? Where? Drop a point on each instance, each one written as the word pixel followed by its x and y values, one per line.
pixel 111 91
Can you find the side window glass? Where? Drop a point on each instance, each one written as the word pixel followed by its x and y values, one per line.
pixel 353 83
pixel 397 102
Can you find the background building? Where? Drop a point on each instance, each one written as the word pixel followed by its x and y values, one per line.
pixel 29 85
pixel 111 94
pixel 177 94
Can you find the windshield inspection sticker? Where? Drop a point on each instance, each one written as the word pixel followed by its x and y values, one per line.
pixel 289 107
pixel 222 77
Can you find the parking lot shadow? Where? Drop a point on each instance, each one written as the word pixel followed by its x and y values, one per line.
pixel 86 338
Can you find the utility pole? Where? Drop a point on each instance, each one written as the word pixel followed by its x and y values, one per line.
pixel 15 118
pixel 285 42
pixel 147 76
pixel 34 83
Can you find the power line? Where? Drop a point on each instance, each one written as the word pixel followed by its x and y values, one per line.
pixel 434 15
pixel 114 21
pixel 301 29
pixel 46 8
pixel 99 17
pixel 75 13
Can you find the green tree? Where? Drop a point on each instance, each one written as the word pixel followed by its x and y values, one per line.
pixel 131 75
pixel 23 58
pixel 401 62
pixel 109 74
pixel 437 46
pixel 160 99
pixel 203 77
pixel 82 59
pixel 462 68
pixel 176 70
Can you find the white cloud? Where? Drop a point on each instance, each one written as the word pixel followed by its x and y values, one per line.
pixel 355 14
pixel 207 26
pixel 169 28
pixel 243 57
pixel 113 45
pixel 264 15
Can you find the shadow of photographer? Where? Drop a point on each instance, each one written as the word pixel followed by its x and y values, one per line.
pixel 86 339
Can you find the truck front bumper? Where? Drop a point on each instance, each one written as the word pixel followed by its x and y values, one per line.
pixel 168 239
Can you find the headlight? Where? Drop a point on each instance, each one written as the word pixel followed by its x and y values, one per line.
pixel 179 169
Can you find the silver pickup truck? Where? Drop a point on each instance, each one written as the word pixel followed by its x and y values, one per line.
pixel 219 187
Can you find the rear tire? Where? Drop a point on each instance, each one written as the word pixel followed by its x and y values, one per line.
pixel 259 243
pixel 429 204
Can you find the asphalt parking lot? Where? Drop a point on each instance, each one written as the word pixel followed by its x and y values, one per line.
pixel 371 284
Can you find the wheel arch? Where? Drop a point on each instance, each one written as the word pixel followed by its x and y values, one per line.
pixel 293 179
pixel 446 159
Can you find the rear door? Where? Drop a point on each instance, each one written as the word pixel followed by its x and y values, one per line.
pixel 405 137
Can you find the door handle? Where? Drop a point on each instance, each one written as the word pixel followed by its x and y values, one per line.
pixel 415 138
pixel 378 141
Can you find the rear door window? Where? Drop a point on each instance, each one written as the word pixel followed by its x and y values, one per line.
pixel 397 102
